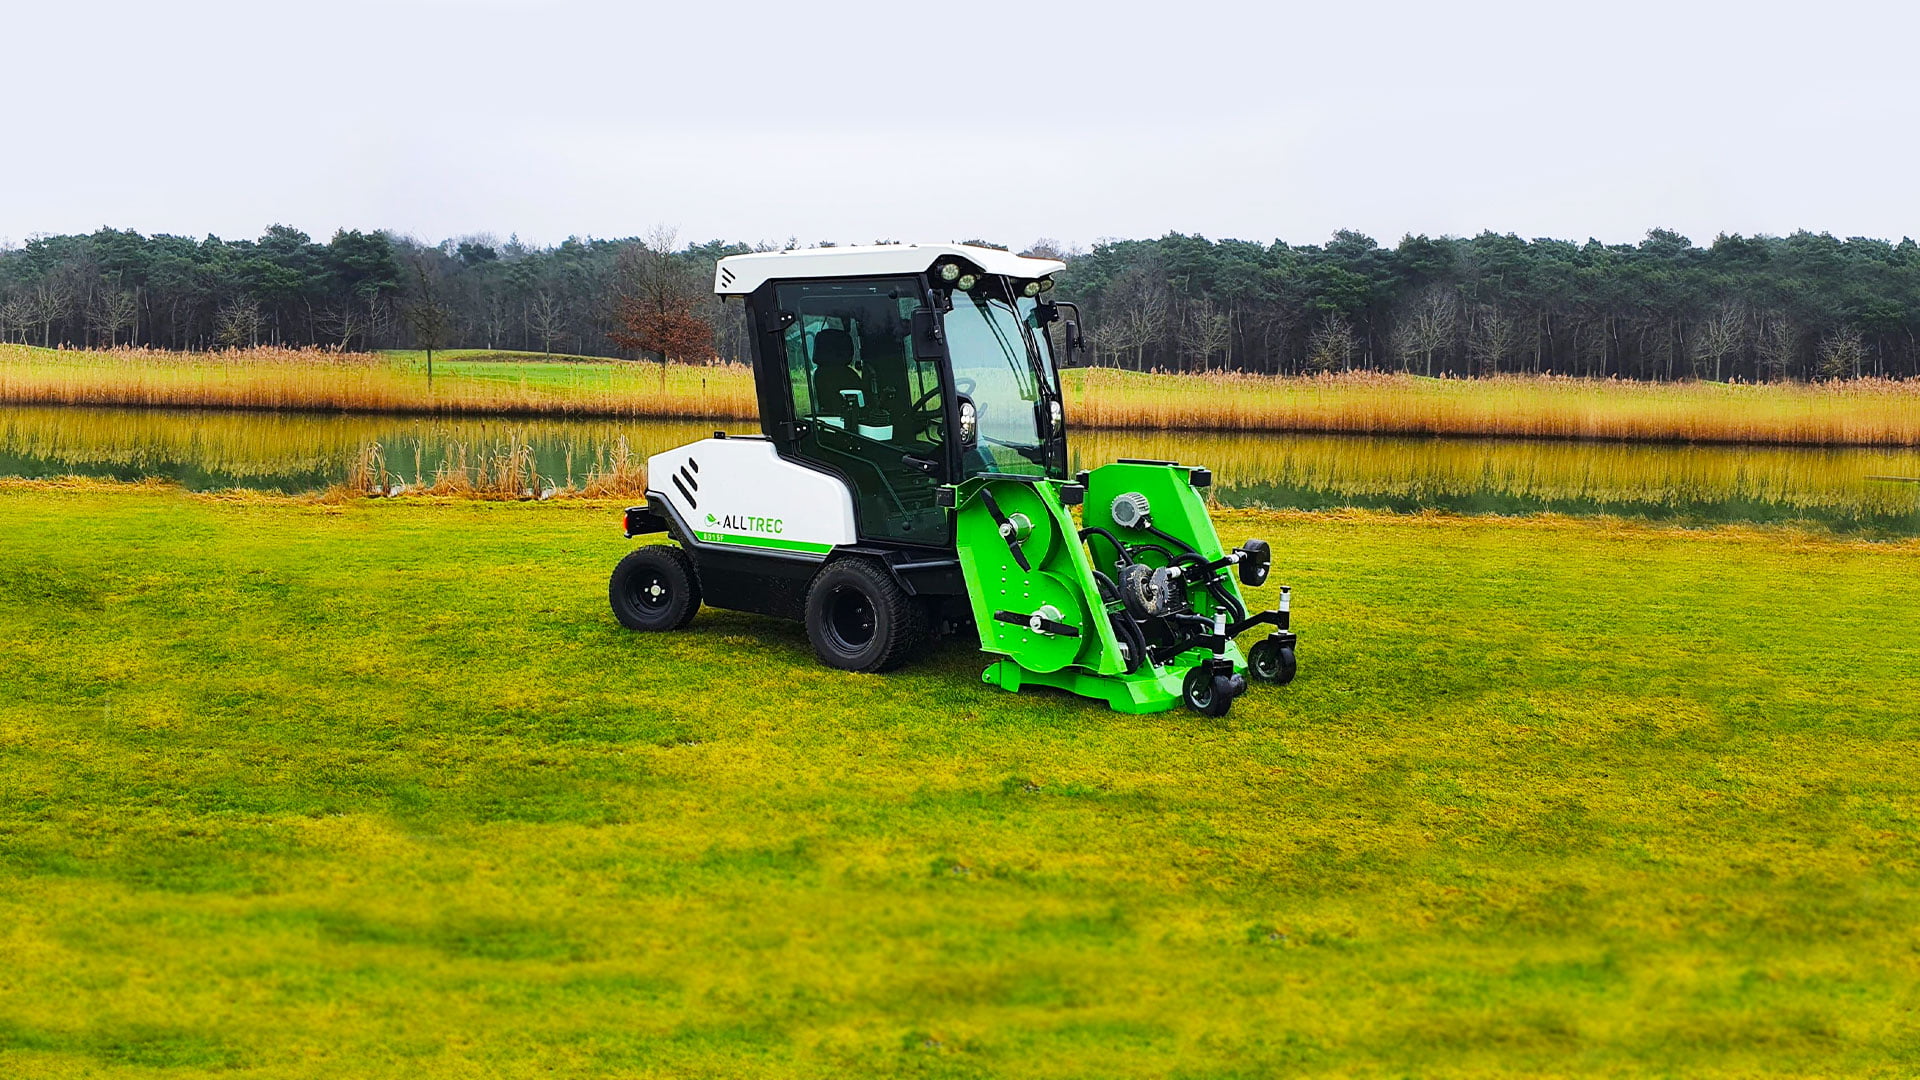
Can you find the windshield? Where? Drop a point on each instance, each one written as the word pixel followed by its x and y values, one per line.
pixel 1030 314
pixel 988 342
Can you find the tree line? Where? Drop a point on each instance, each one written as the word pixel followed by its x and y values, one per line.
pixel 1805 306
pixel 361 290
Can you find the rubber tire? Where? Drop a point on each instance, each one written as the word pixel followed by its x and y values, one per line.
pixel 1272 663
pixel 662 564
pixel 1206 693
pixel 899 624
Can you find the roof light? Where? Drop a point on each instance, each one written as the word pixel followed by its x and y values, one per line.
pixel 949 271
pixel 967 282
pixel 1032 289
pixel 1046 284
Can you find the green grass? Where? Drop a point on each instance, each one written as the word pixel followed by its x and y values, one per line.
pixel 412 357
pixel 380 790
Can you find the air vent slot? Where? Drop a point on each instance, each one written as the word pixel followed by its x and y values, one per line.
pixel 726 277
pixel 685 494
pixel 695 464
pixel 688 477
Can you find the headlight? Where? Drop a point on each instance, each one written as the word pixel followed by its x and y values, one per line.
pixel 969 424
pixel 1046 285
pixel 949 271
pixel 1032 289
pixel 967 282
pixel 1054 418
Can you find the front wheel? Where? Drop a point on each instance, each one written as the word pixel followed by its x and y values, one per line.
pixel 1269 661
pixel 859 618
pixel 1207 693
pixel 654 588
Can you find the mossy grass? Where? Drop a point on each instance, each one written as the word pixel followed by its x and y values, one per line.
pixel 381 790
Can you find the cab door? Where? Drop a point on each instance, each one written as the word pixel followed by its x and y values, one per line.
pixel 858 403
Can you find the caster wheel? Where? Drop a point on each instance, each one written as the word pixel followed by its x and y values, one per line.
pixel 1208 694
pixel 1271 662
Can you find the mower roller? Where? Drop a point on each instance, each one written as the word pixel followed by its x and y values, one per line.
pixel 910 479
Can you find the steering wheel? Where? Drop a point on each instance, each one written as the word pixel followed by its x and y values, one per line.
pixel 962 385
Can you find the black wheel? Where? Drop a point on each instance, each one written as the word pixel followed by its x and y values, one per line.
pixel 1208 694
pixel 654 588
pixel 1269 661
pixel 860 619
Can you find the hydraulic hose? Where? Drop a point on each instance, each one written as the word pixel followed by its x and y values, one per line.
pixel 1093 530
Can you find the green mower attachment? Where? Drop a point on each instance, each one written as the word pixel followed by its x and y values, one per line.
pixel 1136 609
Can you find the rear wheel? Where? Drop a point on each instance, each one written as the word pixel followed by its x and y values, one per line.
pixel 860 619
pixel 654 588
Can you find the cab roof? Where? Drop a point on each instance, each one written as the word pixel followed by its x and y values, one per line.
pixel 740 274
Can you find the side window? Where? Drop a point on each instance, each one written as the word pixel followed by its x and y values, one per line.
pixel 850 361
pixel 866 407
pixel 798 368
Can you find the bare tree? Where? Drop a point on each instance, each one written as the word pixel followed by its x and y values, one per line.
pixel 660 302
pixel 1494 337
pixel 493 317
pixel 426 310
pixel 1841 354
pixel 16 315
pixel 547 315
pixel 1426 325
pixel 113 312
pixel 1205 330
pixel 343 320
pixel 237 322
pixel 1723 334
pixel 1275 320
pixel 1135 312
pixel 1332 345
pixel 1778 345
pixel 49 306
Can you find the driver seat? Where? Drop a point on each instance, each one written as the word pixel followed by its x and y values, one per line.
pixel 833 372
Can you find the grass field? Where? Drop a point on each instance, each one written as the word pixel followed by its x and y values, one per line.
pixel 1865 412
pixel 380 790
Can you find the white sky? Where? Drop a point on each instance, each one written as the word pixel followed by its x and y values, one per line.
pixel 932 121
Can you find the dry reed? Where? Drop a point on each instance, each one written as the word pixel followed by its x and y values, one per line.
pixel 316 379
pixel 507 471
pixel 1861 412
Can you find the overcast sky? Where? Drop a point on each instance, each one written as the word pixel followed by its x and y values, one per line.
pixel 935 121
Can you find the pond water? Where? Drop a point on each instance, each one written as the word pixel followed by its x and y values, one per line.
pixel 212 450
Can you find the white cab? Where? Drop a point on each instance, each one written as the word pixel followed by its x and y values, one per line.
pixel 739 493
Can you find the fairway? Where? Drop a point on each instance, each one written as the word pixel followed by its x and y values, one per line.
pixel 380 789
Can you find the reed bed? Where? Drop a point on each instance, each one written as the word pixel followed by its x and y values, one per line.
pixel 1860 412
pixel 298 452
pixel 316 379
pixel 506 471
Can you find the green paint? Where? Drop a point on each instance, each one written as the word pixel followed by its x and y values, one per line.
pixel 1060 576
pixel 770 542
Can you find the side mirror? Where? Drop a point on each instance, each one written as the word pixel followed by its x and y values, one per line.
pixel 969 423
pixel 1076 344
pixel 927 336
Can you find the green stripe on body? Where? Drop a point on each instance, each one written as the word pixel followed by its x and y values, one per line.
pixel 775 543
